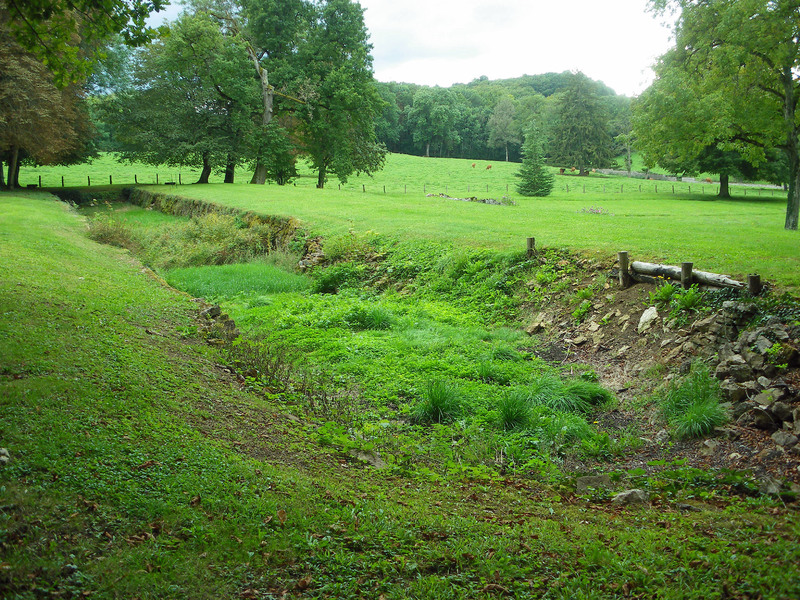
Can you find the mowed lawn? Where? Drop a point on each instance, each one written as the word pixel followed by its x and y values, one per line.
pixel 654 221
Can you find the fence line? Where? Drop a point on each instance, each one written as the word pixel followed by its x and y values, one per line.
pixel 471 190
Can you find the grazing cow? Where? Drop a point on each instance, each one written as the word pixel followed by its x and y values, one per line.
pixel 473 165
pixel 488 167
pixel 708 180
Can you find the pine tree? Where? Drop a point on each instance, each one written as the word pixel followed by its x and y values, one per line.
pixel 536 179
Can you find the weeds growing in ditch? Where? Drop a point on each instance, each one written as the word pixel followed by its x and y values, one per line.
pixel 691 405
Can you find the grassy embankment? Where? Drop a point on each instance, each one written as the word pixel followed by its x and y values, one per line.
pixel 138 470
pixel 739 236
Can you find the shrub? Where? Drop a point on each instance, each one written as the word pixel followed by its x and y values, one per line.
pixel 662 297
pixel 440 403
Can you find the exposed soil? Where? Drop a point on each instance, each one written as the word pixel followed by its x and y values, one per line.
pixel 633 365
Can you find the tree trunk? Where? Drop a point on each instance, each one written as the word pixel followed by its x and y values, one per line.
pixel 206 172
pixel 2 176
pixel 506 151
pixel 427 150
pixel 230 168
pixel 13 168
pixel 321 178
pixel 793 200
pixel 724 189
pixel 260 173
pixel 792 149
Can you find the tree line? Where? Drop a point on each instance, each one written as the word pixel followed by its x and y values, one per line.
pixel 257 84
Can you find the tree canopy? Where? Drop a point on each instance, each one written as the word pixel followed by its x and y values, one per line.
pixel 67 36
pixel 580 136
pixel 739 63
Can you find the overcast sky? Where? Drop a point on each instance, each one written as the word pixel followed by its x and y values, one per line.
pixel 441 42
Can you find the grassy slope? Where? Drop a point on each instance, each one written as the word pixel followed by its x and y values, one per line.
pixel 136 471
pixel 737 237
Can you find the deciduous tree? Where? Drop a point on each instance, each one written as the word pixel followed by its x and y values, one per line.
pixel 580 137
pixel 741 61
pixel 67 35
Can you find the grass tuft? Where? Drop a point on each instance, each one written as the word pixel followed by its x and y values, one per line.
pixel 692 405
pixel 440 403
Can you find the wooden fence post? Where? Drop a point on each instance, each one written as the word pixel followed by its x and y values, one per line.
pixel 754 284
pixel 531 247
pixel 62 181
pixel 686 274
pixel 156 178
pixel 110 180
pixel 88 181
pixel 180 182
pixel 135 179
pixel 624 276
pixel 40 181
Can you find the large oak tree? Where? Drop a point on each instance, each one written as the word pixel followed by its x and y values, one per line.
pixel 741 64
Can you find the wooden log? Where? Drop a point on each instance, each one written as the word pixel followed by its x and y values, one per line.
pixel 624 276
pixel 671 272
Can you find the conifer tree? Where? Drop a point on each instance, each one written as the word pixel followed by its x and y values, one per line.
pixel 536 179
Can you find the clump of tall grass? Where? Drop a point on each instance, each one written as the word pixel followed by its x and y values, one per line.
pixel 440 403
pixel 691 405
pixel 514 411
pixel 212 239
pixel 370 316
pixel 106 230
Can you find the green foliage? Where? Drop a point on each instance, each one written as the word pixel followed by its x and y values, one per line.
pixel 68 38
pixel 536 179
pixel 692 404
pixel 107 230
pixel 329 280
pixel 440 402
pixel 580 137
pixel 580 313
pixel 662 297
pixel 514 411
pixel 229 281
pixel 588 392
pixel 368 316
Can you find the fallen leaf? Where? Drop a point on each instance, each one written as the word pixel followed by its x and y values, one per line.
pixel 302 584
pixel 282 516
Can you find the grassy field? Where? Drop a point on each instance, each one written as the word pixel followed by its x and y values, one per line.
pixel 139 467
pixel 737 237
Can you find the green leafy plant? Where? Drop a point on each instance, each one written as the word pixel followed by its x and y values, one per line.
pixel 687 301
pixel 662 297
pixel 579 314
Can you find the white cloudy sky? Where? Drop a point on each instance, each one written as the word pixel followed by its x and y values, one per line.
pixel 441 42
